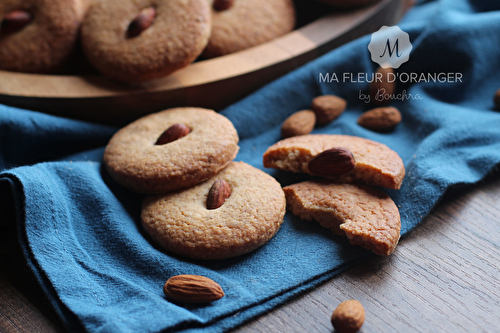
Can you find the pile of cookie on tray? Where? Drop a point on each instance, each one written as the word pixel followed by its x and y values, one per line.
pixel 137 40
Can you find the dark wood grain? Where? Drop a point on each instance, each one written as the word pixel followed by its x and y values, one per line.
pixel 17 313
pixel 23 306
pixel 443 277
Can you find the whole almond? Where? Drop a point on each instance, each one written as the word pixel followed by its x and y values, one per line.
pixel 496 99
pixel 142 22
pixel 220 5
pixel 327 108
pixel 218 194
pixel 192 289
pixel 380 119
pixel 15 21
pixel 382 87
pixel 174 132
pixel 332 162
pixel 348 317
pixel 299 123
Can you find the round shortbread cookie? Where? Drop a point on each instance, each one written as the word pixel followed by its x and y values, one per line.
pixel 38 36
pixel 247 23
pixel 253 213
pixel 134 160
pixel 376 164
pixel 177 35
pixel 365 215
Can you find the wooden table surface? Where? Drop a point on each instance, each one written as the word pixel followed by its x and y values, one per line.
pixel 443 277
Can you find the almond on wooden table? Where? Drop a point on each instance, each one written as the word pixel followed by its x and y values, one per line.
pixel 380 119
pixel 348 317
pixel 299 123
pixel 192 289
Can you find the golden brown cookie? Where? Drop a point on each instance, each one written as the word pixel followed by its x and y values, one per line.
pixel 38 36
pixel 375 163
pixel 181 223
pixel 137 40
pixel 348 3
pixel 246 23
pixel 134 160
pixel 365 215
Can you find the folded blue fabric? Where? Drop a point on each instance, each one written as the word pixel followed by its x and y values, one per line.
pixel 81 232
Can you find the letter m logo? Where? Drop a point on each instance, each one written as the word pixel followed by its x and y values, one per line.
pixel 390 50
pixel 390 47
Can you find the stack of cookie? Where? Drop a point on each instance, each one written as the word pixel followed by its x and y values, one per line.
pixel 345 198
pixel 199 204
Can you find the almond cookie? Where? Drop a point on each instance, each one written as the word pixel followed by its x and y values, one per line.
pixel 38 36
pixel 365 215
pixel 154 154
pixel 181 223
pixel 241 24
pixel 137 40
pixel 375 163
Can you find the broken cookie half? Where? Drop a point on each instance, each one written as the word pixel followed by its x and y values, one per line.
pixel 365 215
pixel 374 163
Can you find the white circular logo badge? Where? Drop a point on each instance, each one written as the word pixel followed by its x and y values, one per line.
pixel 390 47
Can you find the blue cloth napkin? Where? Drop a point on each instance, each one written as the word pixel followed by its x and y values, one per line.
pixel 81 233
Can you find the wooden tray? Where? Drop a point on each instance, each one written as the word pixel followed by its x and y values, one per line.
pixel 213 83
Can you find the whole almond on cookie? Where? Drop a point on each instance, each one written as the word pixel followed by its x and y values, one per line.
pixel 376 164
pixel 174 132
pixel 327 108
pixel 299 123
pixel 332 162
pixel 142 22
pixel 220 5
pixel 192 289
pixel 382 87
pixel 348 317
pixel 218 194
pixel 380 119
pixel 15 21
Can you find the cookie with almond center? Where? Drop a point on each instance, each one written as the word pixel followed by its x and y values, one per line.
pixel 142 158
pixel 375 163
pixel 180 222
pixel 241 24
pixel 138 40
pixel 38 36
